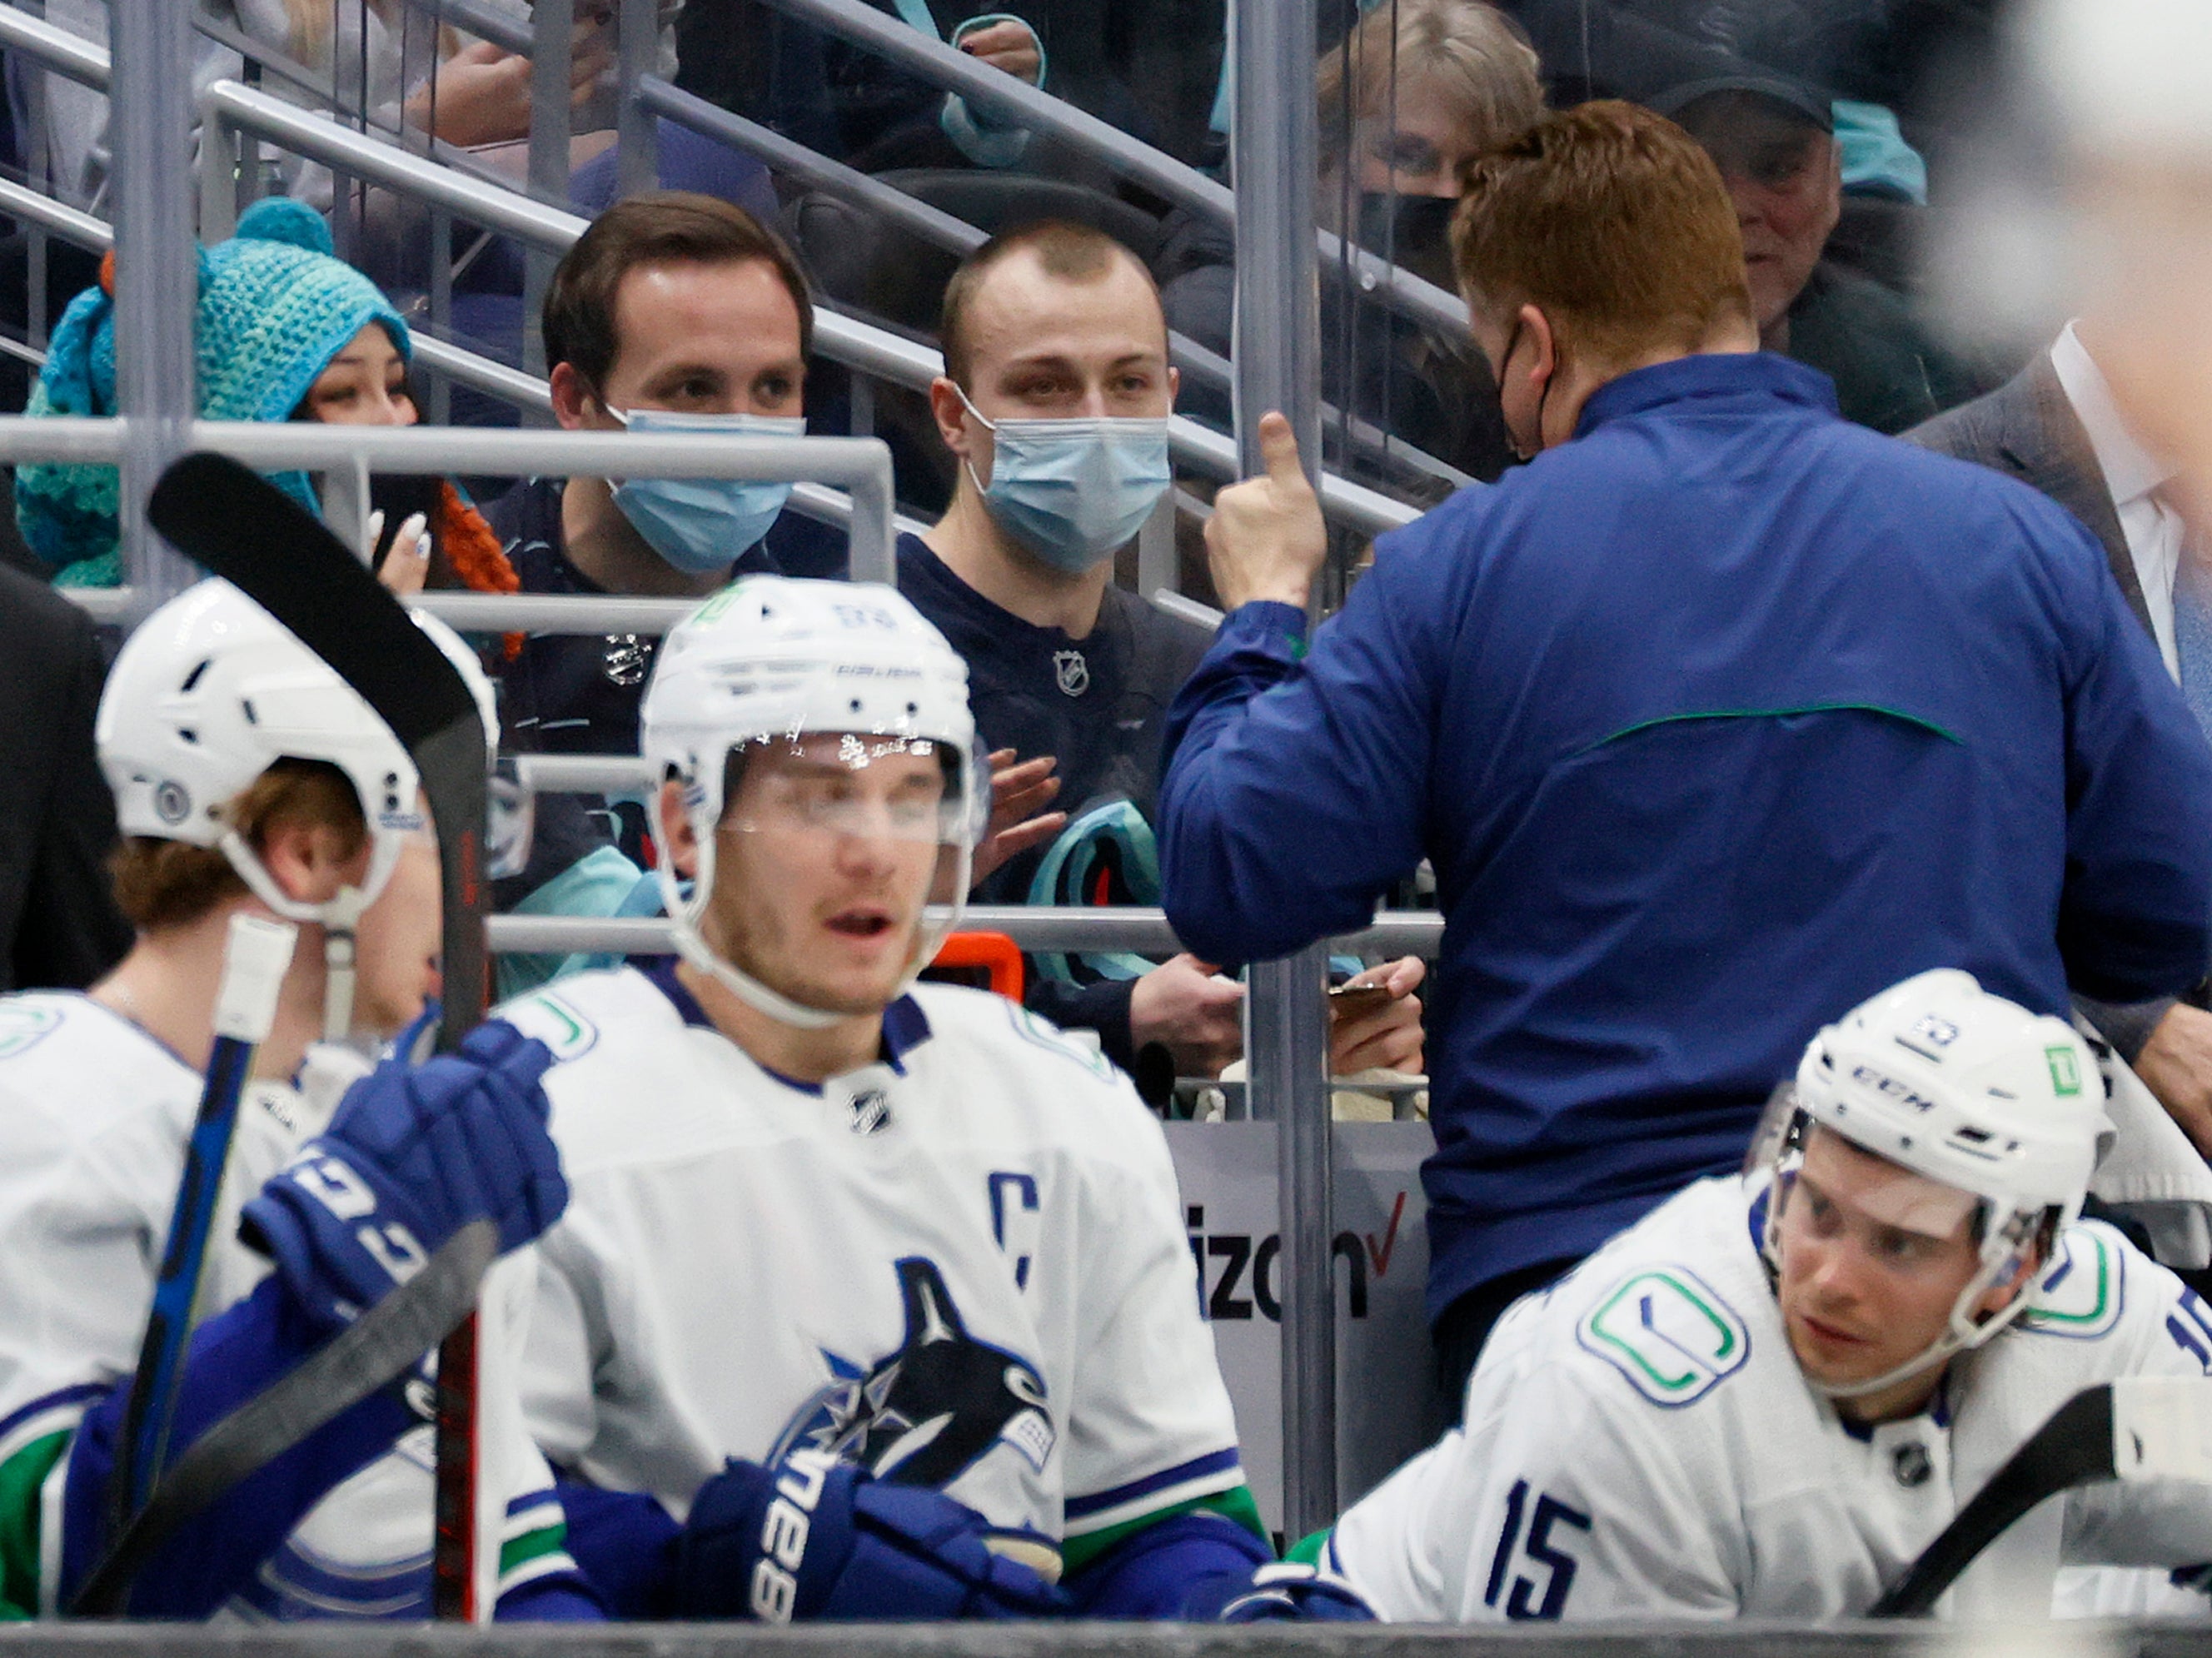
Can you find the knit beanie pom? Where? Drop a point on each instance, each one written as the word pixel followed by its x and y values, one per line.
pixel 285 219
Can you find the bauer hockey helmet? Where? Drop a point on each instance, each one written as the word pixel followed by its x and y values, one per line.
pixel 774 659
pixel 207 693
pixel 1966 1089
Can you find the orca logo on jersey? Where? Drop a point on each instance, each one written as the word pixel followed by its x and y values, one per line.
pixel 925 1414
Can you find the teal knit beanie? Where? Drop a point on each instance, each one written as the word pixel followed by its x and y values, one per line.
pixel 275 307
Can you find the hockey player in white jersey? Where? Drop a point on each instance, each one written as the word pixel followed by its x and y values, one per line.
pixel 1768 1397
pixel 906 1259
pixel 249 778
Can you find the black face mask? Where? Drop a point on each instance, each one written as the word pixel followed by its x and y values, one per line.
pixel 1413 232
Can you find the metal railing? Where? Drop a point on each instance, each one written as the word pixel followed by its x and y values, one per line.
pixel 1132 928
pixel 228 107
pixel 347 454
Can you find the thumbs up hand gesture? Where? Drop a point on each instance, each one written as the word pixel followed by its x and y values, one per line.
pixel 1266 538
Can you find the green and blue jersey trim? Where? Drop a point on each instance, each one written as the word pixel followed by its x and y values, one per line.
pixel 33 1441
pixel 1234 1505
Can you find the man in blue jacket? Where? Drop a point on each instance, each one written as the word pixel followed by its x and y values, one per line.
pixel 1714 719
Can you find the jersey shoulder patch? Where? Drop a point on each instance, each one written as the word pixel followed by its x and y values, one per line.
pixel 1043 1034
pixel 2084 1293
pixel 558 1023
pixel 25 1021
pixel 1668 1331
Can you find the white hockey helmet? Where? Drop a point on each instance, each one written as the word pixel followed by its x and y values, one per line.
pixel 773 657
pixel 206 695
pixel 1966 1089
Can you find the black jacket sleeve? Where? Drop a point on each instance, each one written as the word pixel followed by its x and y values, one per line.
pixel 67 931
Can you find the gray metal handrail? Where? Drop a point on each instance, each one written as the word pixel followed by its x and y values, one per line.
pixel 1407 932
pixel 227 104
pixel 66 54
pixel 861 465
pixel 1014 99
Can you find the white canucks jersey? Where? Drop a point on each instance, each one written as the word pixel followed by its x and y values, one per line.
pixel 93 1117
pixel 1639 1442
pixel 963 1267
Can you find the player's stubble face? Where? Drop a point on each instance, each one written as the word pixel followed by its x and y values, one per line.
pixel 1873 1258
pixel 828 916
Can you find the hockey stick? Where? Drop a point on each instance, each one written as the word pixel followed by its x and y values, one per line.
pixel 2137 1428
pixel 256 954
pixel 378 1345
pixel 244 529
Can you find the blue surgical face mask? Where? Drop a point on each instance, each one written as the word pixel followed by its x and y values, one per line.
pixel 701 525
pixel 1072 491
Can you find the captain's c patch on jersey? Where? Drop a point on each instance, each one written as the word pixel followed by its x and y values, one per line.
pixel 1669 1332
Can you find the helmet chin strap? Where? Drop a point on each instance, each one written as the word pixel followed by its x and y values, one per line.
pixel 696 950
pixel 337 916
pixel 693 947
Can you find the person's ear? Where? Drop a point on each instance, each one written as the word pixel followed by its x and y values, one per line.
pixel 309 861
pixel 574 400
pixel 1175 385
pixel 949 410
pixel 680 843
pixel 1543 344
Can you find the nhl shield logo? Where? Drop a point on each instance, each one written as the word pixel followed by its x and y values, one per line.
pixel 1073 672
pixel 872 1111
pixel 627 659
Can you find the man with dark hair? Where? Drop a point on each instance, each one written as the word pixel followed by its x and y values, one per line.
pixel 1055 400
pixel 1718 717
pixel 672 313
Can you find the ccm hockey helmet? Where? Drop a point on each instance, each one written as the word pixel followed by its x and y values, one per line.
pixel 772 659
pixel 1966 1089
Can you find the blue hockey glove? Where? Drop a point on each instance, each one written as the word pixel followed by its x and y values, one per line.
pixel 817 1538
pixel 413 1154
pixel 1284 1593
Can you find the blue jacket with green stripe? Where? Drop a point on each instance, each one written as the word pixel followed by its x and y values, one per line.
pixel 1713 721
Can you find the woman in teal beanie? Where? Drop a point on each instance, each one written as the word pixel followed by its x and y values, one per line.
pixel 284 331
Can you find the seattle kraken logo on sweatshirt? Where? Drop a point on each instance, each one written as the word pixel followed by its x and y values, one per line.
pixel 922 1415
